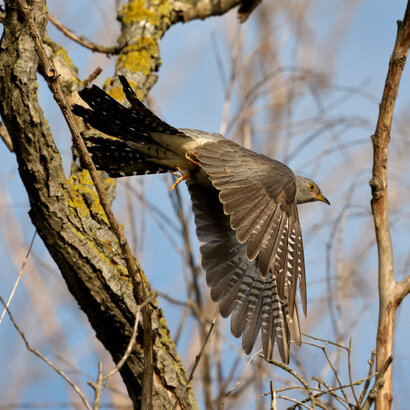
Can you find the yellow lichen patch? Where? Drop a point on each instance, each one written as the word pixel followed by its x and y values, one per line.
pixel 136 10
pixel 83 196
pixel 107 82
pixel 83 201
pixel 63 54
pixel 123 272
pixel 140 95
pixel 116 93
pixel 141 56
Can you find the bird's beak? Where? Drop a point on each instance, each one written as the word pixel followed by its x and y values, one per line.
pixel 320 197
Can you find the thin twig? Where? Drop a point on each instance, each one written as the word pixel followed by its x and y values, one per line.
pixel 299 403
pixel 367 383
pixel 229 89
pixel 197 359
pixel 323 348
pixel 331 392
pixel 297 376
pixel 153 209
pixel 378 383
pixel 349 368
pixel 131 343
pixel 92 76
pixel 273 403
pixel 82 40
pixel 188 304
pixel 321 392
pixel 402 289
pixel 48 362
pixel 51 76
pixel 221 397
pixel 181 324
pixel 243 373
pixel 328 269
pixel 98 385
pixel 218 364
pixel 23 265
pixel 324 341
pixel 98 388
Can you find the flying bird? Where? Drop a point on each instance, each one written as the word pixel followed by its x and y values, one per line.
pixel 245 208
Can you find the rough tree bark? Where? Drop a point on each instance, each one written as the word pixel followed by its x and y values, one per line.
pixel 67 212
pixel 391 293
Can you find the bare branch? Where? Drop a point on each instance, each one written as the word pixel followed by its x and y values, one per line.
pixel 367 383
pixel 98 385
pixel 131 344
pixel 322 392
pixel 48 362
pixel 243 374
pixel 200 9
pixel 19 276
pixel 273 403
pixel 323 348
pixel 378 384
pixel 297 376
pixel 378 183
pixel 299 403
pixel 402 289
pixel 92 76
pixel 349 368
pixel 82 40
pixel 331 391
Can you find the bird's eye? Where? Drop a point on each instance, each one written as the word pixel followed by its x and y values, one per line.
pixel 311 187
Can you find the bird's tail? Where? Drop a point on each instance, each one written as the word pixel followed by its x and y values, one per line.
pixel 131 148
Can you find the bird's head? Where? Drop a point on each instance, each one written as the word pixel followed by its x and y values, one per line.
pixel 308 191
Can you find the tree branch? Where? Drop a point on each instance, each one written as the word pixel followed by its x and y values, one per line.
pixel 402 289
pixel 378 183
pixel 187 10
pixel 69 217
pixel 82 40
pixel 378 384
pixel 135 275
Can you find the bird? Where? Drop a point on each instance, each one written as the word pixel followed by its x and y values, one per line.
pixel 244 206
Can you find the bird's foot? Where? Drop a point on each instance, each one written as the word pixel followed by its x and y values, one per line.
pixel 191 157
pixel 181 176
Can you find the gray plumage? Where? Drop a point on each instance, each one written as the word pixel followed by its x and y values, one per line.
pixel 245 212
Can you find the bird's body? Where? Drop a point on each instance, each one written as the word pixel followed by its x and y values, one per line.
pixel 244 205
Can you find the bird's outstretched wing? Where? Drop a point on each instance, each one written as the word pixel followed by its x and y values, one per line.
pixel 251 299
pixel 258 194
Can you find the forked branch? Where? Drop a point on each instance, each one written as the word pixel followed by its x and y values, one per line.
pixel 390 295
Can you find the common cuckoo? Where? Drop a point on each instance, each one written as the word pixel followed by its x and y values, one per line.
pixel 244 205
